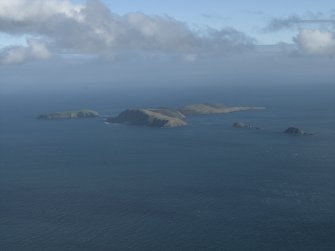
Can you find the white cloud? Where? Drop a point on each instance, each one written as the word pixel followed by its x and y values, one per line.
pixel 36 10
pixel 18 54
pixel 316 42
pixel 94 29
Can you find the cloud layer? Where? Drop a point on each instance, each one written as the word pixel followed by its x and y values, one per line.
pixel 56 27
pixel 294 21
pixel 64 27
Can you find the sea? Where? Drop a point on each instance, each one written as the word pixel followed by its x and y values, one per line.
pixel 85 185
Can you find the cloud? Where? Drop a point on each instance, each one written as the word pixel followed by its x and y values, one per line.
pixel 316 32
pixel 214 16
pixel 295 21
pixel 93 29
pixel 316 42
pixel 16 15
pixel 33 51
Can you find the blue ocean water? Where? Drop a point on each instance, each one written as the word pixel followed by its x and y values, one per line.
pixel 85 185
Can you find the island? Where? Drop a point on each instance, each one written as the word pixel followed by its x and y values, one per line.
pixel 296 131
pixel 165 117
pixel 84 113
pixel 161 117
pixel 208 109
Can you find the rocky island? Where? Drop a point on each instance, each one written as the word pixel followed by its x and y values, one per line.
pixel 244 125
pixel 84 113
pixel 208 109
pixel 168 118
pixel 296 131
pixel 162 117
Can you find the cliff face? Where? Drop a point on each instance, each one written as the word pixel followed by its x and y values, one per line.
pixel 85 113
pixel 206 109
pixel 165 118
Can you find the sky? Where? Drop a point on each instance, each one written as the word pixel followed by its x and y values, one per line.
pixel 121 34
pixel 248 16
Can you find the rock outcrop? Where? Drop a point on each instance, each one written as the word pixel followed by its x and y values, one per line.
pixel 207 109
pixel 85 113
pixel 296 131
pixel 162 117
pixel 244 125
